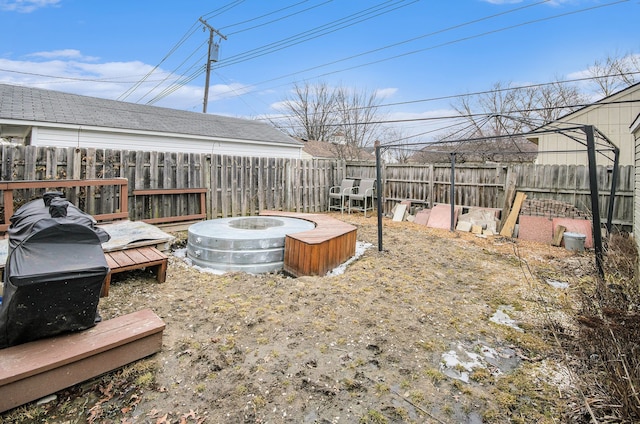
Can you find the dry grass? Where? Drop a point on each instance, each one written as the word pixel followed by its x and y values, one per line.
pixel 608 342
pixel 365 346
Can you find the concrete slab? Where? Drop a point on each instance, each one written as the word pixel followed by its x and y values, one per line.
pixel 581 226
pixel 398 215
pixel 535 228
pixel 441 216
pixel 464 226
pixel 422 217
pixel 487 218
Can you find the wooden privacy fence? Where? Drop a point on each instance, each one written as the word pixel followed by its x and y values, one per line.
pixel 165 185
pixel 484 185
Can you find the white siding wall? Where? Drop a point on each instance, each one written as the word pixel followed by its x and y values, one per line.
pixel 613 120
pixel 636 189
pixel 61 137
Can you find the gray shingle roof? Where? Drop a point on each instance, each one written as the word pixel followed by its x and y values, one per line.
pixel 46 106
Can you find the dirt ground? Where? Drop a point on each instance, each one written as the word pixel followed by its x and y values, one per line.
pixel 439 327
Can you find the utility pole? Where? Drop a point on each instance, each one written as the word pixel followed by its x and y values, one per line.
pixel 211 57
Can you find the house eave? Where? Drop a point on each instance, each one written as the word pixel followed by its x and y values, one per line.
pixel 76 127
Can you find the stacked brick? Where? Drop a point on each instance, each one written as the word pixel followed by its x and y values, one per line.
pixel 551 209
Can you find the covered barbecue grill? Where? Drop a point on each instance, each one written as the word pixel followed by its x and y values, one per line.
pixel 54 271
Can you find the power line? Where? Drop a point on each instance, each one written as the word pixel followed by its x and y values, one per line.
pixel 223 63
pixel 219 11
pixel 316 32
pixel 274 20
pixel 367 13
pixel 184 38
pixel 127 93
pixel 478 93
pixel 173 72
pixel 479 114
pixel 433 47
pixel 106 80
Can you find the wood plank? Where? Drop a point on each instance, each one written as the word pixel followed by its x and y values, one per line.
pixel 111 263
pixel 510 223
pixel 151 253
pixel 137 256
pixel 121 258
pixel 558 234
pixel 32 370
pixel 509 194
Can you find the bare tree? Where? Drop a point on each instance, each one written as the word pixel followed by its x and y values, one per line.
pixel 348 118
pixel 400 145
pixel 492 117
pixel 358 116
pixel 556 99
pixel 312 112
pixel 613 73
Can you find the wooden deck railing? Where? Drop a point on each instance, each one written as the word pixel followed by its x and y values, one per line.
pixel 7 188
pixel 175 191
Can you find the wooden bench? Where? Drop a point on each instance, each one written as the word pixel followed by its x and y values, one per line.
pixel 32 370
pixel 317 251
pixel 138 258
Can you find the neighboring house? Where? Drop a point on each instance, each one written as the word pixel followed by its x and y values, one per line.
pixel 330 150
pixel 505 150
pixel 37 117
pixel 635 133
pixel 611 115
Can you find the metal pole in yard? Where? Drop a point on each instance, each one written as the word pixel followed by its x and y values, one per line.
pixel 379 194
pixel 452 190
pixel 612 194
pixel 595 207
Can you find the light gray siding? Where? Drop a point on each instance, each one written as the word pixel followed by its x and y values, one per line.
pixel 82 137
pixel 612 117
pixel 635 131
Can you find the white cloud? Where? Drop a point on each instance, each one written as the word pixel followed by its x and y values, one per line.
pixel 61 54
pixel 68 53
pixel 384 93
pixel 225 91
pixel 70 71
pixel 279 106
pixel 26 6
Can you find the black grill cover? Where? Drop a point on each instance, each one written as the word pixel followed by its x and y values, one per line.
pixel 54 272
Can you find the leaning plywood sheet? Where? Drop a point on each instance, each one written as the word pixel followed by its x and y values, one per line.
pixel 130 234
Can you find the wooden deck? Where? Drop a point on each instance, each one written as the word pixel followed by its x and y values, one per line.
pixel 317 251
pixel 138 258
pixel 32 370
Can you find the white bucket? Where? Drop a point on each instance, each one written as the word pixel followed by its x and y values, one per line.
pixel 574 241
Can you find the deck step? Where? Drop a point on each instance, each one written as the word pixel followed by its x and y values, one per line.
pixel 33 370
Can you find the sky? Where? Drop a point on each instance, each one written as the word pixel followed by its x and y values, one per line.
pixel 416 55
